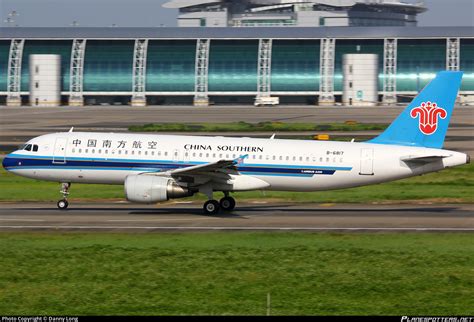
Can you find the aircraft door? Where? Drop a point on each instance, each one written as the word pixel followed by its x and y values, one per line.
pixel 366 162
pixel 59 154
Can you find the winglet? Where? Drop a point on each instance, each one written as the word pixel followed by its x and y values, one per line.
pixel 240 159
pixel 425 121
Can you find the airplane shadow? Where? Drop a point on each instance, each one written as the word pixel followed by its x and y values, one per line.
pixel 261 210
pixel 281 211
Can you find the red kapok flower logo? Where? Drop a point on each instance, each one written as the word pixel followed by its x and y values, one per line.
pixel 428 113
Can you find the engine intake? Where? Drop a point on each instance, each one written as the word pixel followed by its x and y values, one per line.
pixel 151 189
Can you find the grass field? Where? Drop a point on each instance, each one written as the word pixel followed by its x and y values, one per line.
pixel 254 127
pixel 453 185
pixel 231 273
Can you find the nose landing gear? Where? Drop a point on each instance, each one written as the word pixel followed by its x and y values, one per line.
pixel 63 204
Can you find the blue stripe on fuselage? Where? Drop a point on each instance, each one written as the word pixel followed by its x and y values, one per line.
pixel 18 161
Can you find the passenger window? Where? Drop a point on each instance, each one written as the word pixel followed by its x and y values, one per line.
pixel 166 154
pixel 301 159
pixel 133 152
pixel 119 151
pixel 93 150
pixel 80 150
pixel 146 152
pixel 86 151
pixel 73 150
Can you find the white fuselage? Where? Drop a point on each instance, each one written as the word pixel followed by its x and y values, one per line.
pixel 288 165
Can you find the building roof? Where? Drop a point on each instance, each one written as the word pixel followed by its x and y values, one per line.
pixel 417 6
pixel 235 33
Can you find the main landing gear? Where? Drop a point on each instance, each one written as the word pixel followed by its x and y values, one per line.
pixel 63 204
pixel 212 207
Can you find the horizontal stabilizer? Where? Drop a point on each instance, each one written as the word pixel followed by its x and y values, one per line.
pixel 423 158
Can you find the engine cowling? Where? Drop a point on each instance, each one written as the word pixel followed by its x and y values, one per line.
pixel 151 189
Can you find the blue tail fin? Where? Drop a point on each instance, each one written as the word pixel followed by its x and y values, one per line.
pixel 425 121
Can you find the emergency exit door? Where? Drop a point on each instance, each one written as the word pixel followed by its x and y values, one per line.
pixel 366 162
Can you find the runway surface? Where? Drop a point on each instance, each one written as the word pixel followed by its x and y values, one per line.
pixel 247 217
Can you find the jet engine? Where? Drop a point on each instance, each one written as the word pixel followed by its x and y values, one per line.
pixel 151 189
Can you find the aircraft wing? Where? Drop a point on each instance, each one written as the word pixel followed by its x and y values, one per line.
pixel 202 168
pixel 206 168
pixel 222 173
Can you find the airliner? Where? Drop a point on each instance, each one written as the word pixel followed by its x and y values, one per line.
pixel 154 168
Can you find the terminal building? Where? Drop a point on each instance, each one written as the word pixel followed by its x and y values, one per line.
pixel 201 66
pixel 296 13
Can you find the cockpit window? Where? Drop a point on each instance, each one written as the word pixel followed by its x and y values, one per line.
pixel 35 148
pixel 28 147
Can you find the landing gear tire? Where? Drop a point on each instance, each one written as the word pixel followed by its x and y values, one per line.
pixel 227 203
pixel 62 204
pixel 211 207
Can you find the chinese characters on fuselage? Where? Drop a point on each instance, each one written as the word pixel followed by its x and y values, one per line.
pixel 121 144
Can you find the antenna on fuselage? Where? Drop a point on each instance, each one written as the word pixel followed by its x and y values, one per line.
pixel 273 136
pixel 72 128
